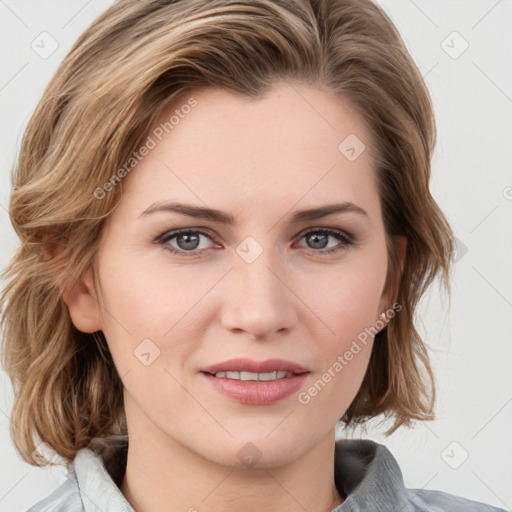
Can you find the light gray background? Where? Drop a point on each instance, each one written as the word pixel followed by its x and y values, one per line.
pixel 471 345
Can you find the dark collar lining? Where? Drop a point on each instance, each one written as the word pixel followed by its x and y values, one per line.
pixel 113 451
pixel 352 458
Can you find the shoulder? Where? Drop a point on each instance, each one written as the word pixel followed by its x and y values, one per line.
pixel 66 498
pixel 91 481
pixel 368 474
pixel 425 500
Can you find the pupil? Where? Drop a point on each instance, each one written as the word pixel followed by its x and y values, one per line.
pixel 316 237
pixel 188 244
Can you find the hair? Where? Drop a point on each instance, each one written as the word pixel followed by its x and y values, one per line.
pixel 134 61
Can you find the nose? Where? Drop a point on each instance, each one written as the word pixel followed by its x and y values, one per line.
pixel 259 299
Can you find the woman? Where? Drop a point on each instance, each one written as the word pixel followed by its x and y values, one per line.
pixel 226 226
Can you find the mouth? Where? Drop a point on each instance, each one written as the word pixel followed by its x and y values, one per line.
pixel 256 383
pixel 248 369
pixel 254 376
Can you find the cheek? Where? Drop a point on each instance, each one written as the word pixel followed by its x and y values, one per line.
pixel 152 300
pixel 347 303
pixel 146 295
pixel 148 332
pixel 344 349
pixel 329 394
pixel 345 298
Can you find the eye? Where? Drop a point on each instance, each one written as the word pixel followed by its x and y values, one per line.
pixel 318 239
pixel 187 241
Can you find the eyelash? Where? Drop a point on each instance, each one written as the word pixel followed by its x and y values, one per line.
pixel 347 239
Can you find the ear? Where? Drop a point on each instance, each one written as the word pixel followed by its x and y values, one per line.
pixel 79 296
pixel 83 305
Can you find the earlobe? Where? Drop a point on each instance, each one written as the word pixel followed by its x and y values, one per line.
pixel 83 306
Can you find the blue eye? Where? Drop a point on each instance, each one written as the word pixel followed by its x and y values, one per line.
pixel 319 237
pixel 188 241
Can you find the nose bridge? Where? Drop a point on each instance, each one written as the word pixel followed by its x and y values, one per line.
pixel 259 302
pixel 258 275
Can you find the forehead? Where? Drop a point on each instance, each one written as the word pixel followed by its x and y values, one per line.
pixel 288 144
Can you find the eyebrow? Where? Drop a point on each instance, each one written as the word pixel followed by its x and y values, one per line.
pixel 211 214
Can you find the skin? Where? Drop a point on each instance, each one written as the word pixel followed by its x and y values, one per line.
pixel 259 160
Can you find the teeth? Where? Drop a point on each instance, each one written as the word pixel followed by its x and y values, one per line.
pixel 281 374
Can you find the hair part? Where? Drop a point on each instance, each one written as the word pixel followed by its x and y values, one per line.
pixel 134 61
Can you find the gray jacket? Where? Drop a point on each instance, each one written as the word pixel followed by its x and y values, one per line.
pixel 366 475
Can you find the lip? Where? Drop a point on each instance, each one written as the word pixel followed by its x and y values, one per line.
pixel 242 364
pixel 251 392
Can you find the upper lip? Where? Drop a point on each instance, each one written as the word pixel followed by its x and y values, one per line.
pixel 249 365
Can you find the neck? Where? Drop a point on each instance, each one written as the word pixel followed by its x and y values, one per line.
pixel 163 475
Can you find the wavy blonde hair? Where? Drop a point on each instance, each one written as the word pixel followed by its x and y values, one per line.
pixel 131 63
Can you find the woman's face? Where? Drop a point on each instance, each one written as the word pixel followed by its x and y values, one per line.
pixel 259 287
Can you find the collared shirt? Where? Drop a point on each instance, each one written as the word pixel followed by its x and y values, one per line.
pixel 366 475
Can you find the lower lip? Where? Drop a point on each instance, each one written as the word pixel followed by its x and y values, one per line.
pixel 252 392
